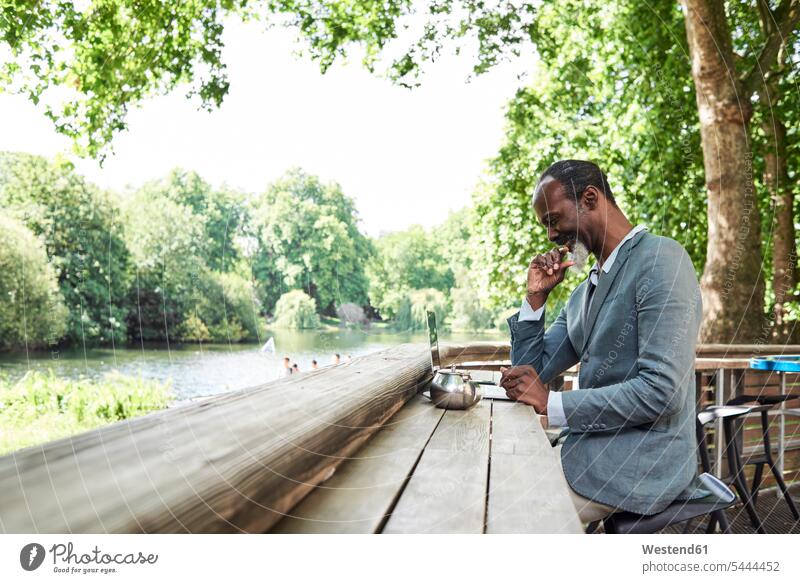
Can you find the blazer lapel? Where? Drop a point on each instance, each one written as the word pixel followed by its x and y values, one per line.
pixel 605 281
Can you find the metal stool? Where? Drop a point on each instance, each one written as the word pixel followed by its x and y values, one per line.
pixel 765 404
pixel 679 511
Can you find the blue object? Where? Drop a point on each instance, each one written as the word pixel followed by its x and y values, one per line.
pixel 789 363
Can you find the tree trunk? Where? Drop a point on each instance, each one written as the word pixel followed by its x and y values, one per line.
pixel 776 179
pixel 732 284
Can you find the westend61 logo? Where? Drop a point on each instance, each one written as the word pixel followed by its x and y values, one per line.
pixel 66 560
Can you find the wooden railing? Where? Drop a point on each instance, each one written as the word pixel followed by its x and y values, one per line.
pixel 231 463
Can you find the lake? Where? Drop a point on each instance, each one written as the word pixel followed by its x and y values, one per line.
pixel 208 369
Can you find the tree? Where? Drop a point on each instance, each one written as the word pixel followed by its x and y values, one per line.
pixel 176 293
pixel 411 311
pixel 163 237
pixel 407 260
pixel 308 232
pixel 32 311
pixel 297 311
pixel 82 232
pixel 222 213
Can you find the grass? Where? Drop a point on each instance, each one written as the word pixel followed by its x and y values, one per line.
pixel 42 407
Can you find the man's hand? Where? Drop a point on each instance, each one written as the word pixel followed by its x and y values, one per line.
pixel 545 272
pixel 522 383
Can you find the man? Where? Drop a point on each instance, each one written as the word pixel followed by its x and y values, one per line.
pixel 287 369
pixel 632 324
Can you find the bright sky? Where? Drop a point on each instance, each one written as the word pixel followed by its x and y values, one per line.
pixel 405 156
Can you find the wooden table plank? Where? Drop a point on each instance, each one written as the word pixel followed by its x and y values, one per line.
pixel 361 492
pixel 447 493
pixel 528 492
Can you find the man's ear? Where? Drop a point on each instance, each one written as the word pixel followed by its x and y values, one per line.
pixel 589 197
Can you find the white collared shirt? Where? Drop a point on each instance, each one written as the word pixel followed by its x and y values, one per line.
pixel 555 411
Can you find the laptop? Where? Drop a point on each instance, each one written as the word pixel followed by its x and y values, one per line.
pixel 489 389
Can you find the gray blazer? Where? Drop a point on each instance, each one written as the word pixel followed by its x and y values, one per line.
pixel 631 441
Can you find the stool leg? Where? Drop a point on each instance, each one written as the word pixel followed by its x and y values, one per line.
pixel 712 523
pixel 722 518
pixel 756 482
pixel 773 466
pixel 702 445
pixel 735 465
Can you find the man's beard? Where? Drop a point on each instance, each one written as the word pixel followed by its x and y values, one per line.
pixel 580 255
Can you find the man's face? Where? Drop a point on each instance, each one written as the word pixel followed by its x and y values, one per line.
pixel 558 212
pixel 566 222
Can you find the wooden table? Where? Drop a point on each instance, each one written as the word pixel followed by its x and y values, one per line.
pixel 490 469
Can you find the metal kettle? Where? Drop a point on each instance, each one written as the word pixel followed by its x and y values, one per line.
pixel 453 389
pixel 449 389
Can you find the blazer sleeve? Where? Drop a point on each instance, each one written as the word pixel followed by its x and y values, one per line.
pixel 669 310
pixel 549 352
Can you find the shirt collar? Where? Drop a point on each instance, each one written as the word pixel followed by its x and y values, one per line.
pixel 613 255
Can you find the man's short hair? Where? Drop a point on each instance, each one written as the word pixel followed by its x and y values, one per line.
pixel 578 175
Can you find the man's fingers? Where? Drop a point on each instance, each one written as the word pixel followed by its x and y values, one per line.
pixel 512 384
pixel 512 373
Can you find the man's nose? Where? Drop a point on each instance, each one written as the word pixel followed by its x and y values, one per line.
pixel 553 235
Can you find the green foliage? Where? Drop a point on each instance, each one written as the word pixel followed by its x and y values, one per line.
pixel 406 260
pixel 221 213
pixel 412 308
pixel 297 311
pixel 32 311
pixel 40 407
pixel 615 90
pixel 192 329
pixel 177 295
pixel 110 54
pixel 163 237
pixel 308 239
pixel 468 313
pixel 82 232
pixel 241 305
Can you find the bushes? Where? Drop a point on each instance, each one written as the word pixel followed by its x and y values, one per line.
pixel 32 311
pixel 40 407
pixel 297 311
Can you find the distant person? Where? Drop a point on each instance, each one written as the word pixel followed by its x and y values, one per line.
pixel 336 359
pixel 287 370
pixel 314 365
pixel 349 358
pixel 295 368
